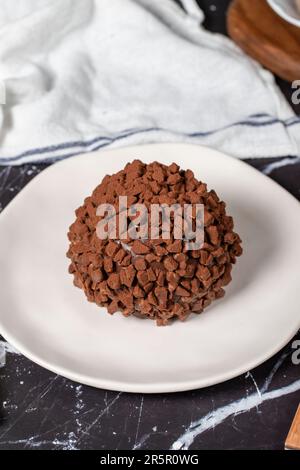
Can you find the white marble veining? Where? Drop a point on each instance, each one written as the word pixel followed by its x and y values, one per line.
pixel 84 426
pixel 270 167
pixel 217 416
pixel 6 348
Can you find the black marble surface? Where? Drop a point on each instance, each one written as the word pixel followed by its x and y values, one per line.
pixel 40 410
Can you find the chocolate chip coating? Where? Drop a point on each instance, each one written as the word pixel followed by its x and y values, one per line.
pixel 153 278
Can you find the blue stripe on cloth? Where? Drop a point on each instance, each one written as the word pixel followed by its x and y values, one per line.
pixel 88 145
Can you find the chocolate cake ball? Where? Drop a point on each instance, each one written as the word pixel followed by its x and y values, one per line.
pixel 159 278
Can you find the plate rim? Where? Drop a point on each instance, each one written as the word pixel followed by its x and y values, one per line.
pixel 148 388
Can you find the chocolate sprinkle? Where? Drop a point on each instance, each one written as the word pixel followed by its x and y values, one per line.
pixel 159 278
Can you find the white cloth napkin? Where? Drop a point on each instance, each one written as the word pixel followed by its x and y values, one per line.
pixel 88 74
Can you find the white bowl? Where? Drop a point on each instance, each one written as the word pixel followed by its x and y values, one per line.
pixel 287 9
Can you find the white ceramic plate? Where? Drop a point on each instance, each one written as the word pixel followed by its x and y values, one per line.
pixel 49 320
pixel 287 9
